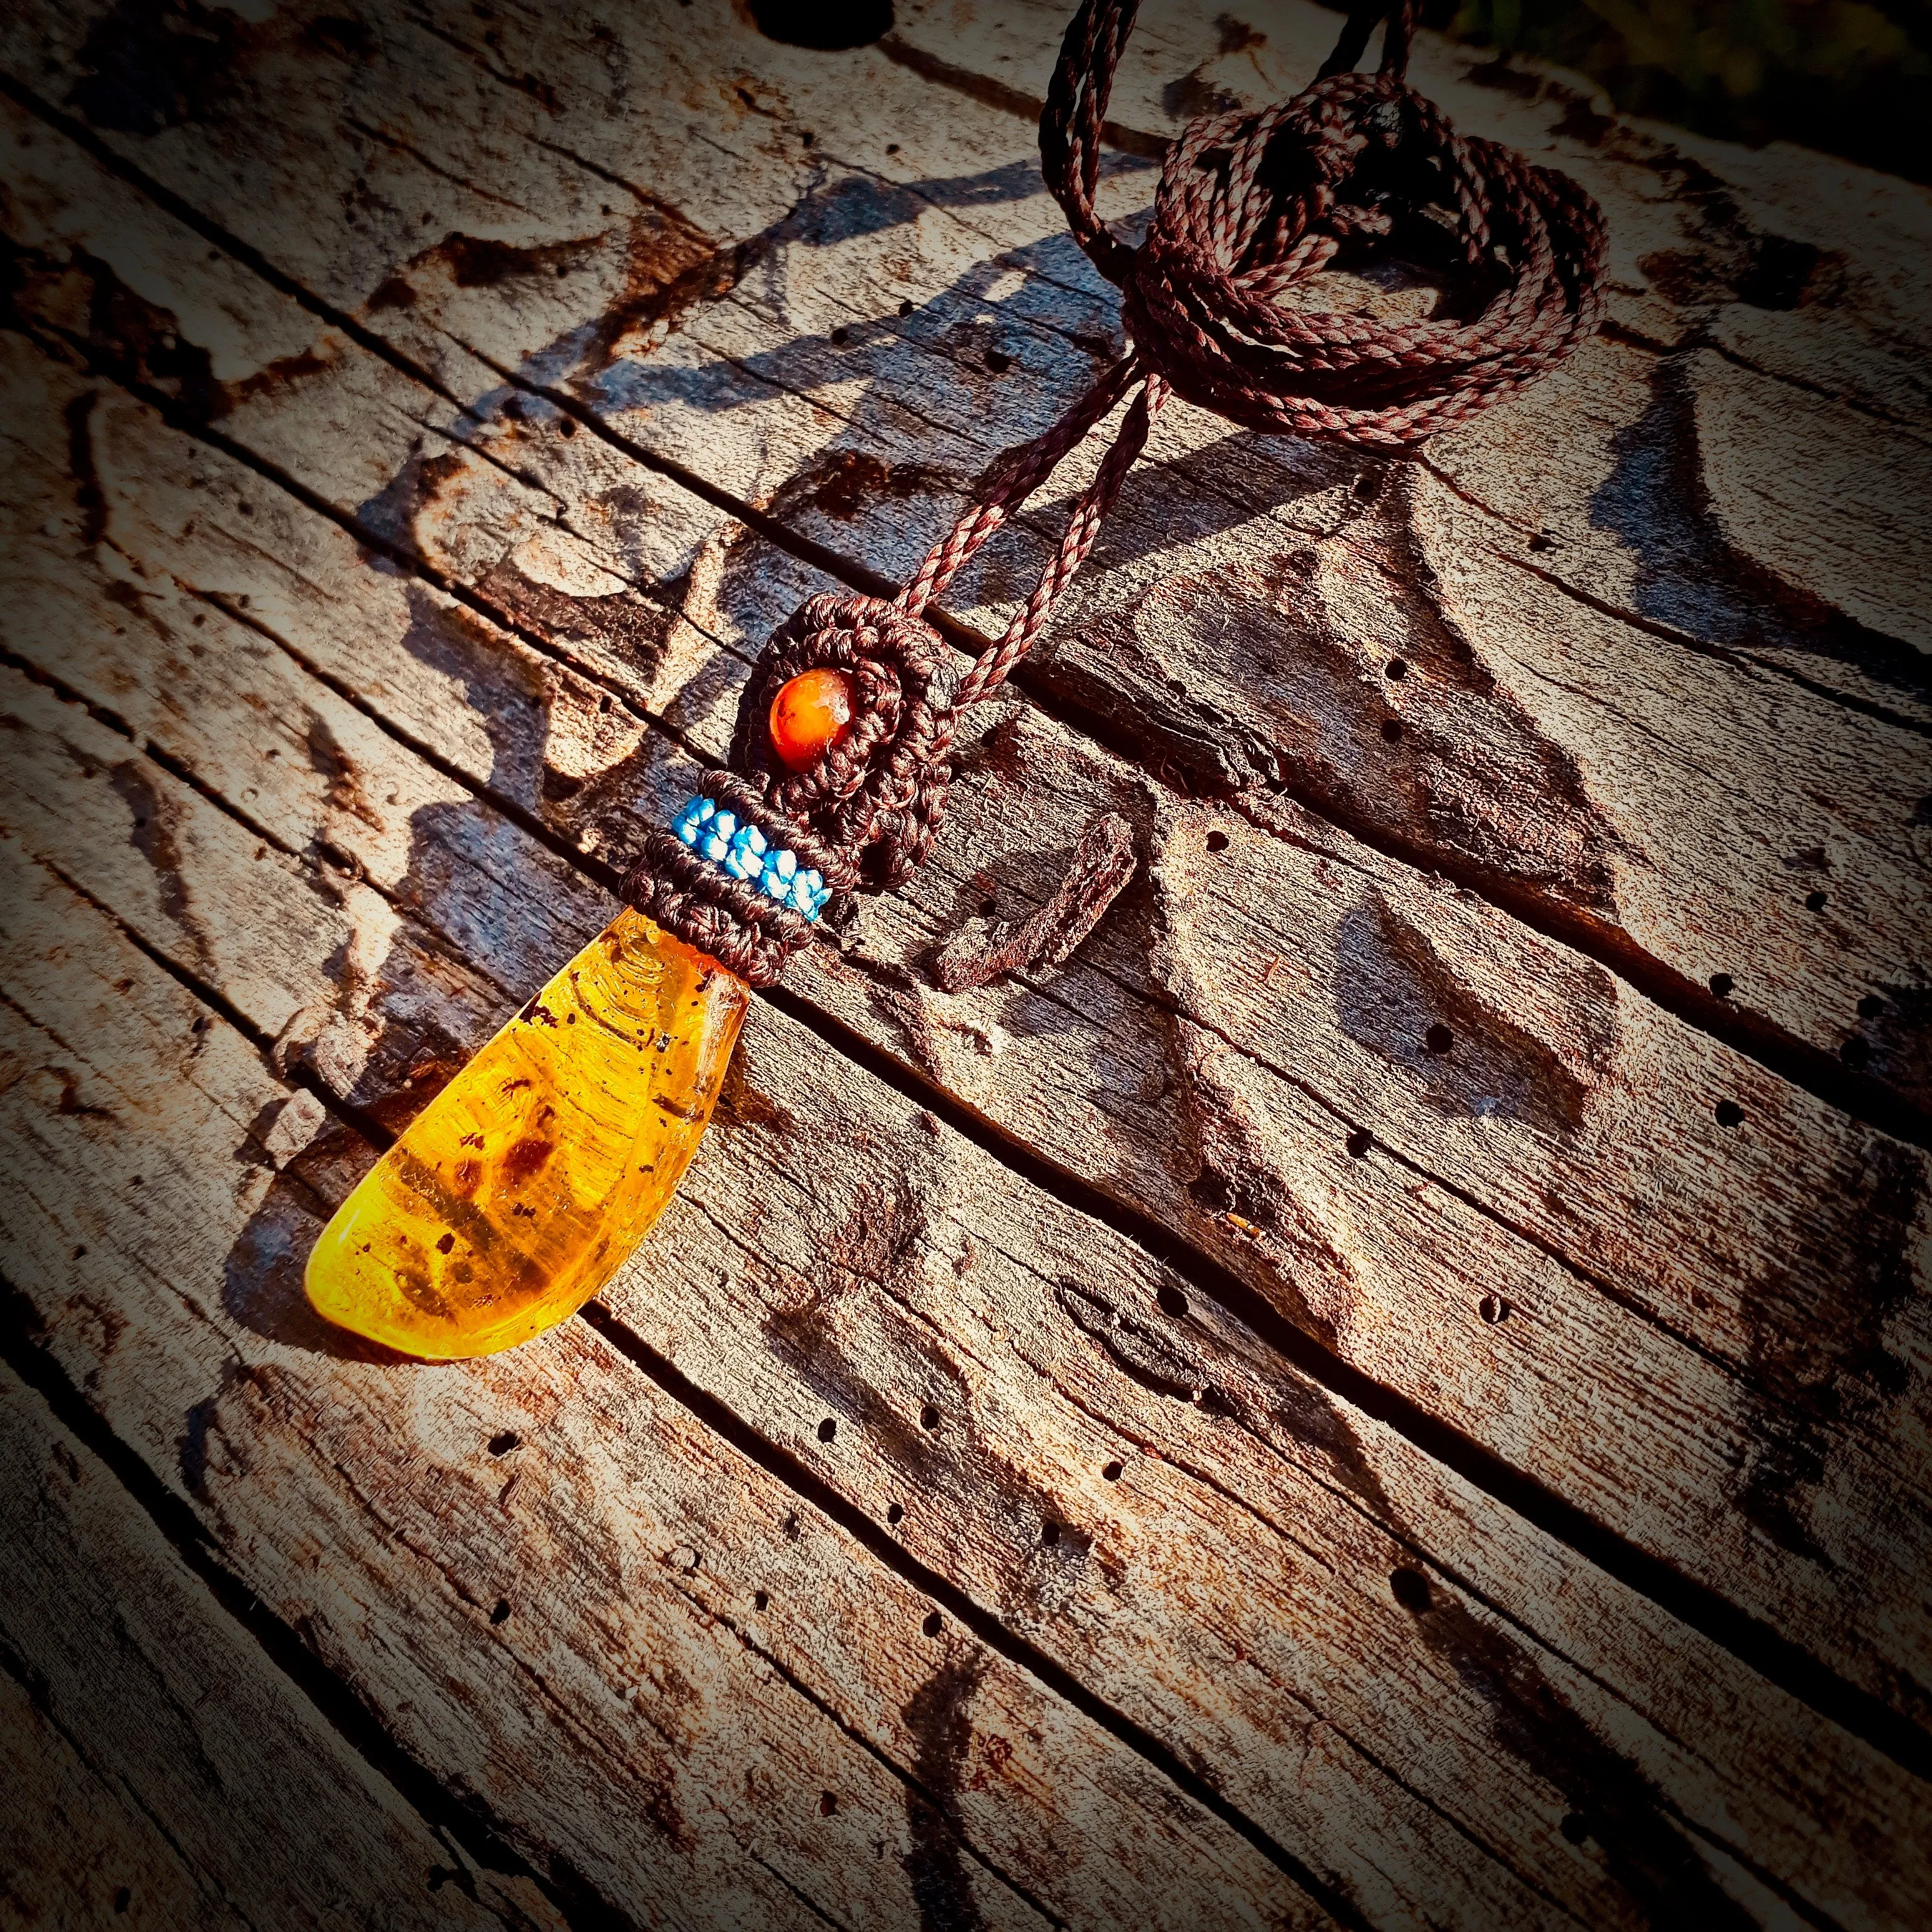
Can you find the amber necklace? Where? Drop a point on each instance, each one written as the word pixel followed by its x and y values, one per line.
pixel 529 1180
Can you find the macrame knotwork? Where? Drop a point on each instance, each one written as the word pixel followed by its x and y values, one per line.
pixel 1250 205
pixel 864 815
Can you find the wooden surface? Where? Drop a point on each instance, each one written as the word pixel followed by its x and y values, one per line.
pixel 1149 1443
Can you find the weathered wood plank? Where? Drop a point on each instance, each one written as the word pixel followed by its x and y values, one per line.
pixel 1697 894
pixel 1796 266
pixel 1352 1828
pixel 868 995
pixel 1769 1478
pixel 181 1778
pixel 701 1735
pixel 744 1282
pixel 71 1849
pixel 1421 1874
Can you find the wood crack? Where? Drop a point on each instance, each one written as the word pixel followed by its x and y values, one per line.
pixel 232 245
pixel 1702 647
pixel 777 1877
pixel 210 1887
pixel 786 1467
pixel 1747 1637
pixel 397 145
pixel 1544 1245
pixel 441 1813
pixel 218 1003
pixel 891 1766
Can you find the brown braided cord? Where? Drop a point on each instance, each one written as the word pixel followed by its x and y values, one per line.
pixel 1249 204
pixel 737 925
pixel 864 815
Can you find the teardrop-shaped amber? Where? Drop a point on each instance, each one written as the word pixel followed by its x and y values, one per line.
pixel 521 1188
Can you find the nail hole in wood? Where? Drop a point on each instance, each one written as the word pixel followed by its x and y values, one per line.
pixel 895 1515
pixel 1870 1006
pixel 1398 668
pixel 827 1429
pixel 928 1417
pixel 1576 1828
pixel 761 1599
pixel 828 1803
pixel 1217 841
pixel 1392 730
pixel 123 1899
pixel 568 427
pixel 1493 1308
pixel 1411 1588
pixel 1172 1301
pixel 1729 1113
pixel 1439 1039
pixel 1815 901
pixel 840 337
pixel 503 1442
pixel 825 28
pixel 1856 1053
pixel 1359 1142
pixel 1049 1533
pixel 1721 984
pixel 998 361
pixel 988 907
pixel 1540 542
pixel 905 309
pixel 934 1624
pixel 502 1610
pixel 892 147
pixel 1113 1471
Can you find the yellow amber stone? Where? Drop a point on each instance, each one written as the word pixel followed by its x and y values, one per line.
pixel 523 1186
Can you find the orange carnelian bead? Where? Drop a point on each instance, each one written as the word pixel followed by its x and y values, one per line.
pixel 810 715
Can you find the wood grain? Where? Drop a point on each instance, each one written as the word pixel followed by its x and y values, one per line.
pixel 885 1270
pixel 411 438
pixel 638 1553
pixel 1752 1507
pixel 752 390
pixel 174 1775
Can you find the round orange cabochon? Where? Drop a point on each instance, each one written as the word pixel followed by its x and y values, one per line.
pixel 810 715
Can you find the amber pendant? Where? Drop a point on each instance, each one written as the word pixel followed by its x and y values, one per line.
pixel 524 1185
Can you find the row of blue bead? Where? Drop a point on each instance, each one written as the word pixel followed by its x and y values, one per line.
pixel 744 851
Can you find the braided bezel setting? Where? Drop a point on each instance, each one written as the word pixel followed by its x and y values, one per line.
pixel 744 852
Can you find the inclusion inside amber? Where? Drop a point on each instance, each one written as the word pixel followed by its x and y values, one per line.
pixel 527 1181
pixel 811 713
